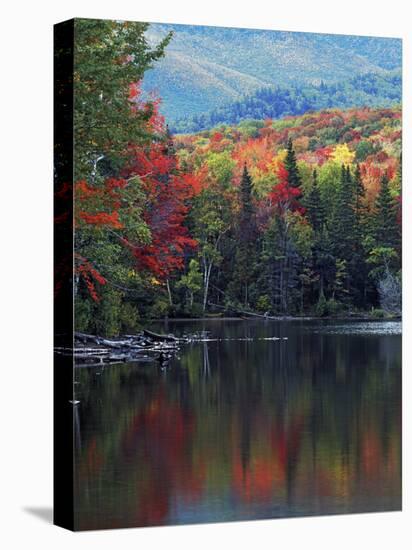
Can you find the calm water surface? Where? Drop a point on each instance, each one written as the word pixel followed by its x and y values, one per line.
pixel 242 427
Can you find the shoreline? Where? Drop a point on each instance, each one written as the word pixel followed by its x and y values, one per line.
pixel 287 318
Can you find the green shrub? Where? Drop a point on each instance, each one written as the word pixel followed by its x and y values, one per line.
pixel 82 314
pixel 129 317
pixel 160 308
pixel 334 307
pixel 195 311
pixel 107 313
pixel 321 307
pixel 378 313
pixel 263 303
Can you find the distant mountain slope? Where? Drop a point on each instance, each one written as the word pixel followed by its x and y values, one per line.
pixel 187 86
pixel 365 90
pixel 206 67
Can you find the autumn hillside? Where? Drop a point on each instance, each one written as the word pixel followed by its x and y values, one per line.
pixel 322 141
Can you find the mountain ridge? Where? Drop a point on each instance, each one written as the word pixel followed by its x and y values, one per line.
pixel 369 90
pixel 206 67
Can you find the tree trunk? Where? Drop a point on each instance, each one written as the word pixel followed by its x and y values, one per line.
pixel 208 270
pixel 302 292
pixel 169 292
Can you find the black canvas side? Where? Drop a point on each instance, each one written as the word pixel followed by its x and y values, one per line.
pixel 63 275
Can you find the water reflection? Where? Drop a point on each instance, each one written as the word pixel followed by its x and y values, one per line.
pixel 242 429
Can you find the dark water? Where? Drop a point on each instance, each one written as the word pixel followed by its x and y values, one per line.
pixel 243 427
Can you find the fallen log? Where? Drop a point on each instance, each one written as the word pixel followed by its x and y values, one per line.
pixel 161 337
pixel 81 351
pixel 254 314
pixel 160 347
pixel 117 344
pixel 85 337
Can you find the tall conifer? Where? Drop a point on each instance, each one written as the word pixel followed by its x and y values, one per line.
pixel 294 179
pixel 314 205
pixel 386 227
pixel 246 239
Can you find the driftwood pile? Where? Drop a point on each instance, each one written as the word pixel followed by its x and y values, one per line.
pixel 90 350
pixel 145 346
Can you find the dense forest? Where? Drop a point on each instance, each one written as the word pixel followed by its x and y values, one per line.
pixel 293 216
pixel 371 90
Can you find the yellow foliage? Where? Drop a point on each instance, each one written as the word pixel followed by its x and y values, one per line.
pixel 278 159
pixel 342 154
pixel 281 155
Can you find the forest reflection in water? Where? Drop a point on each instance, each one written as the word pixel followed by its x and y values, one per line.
pixel 241 427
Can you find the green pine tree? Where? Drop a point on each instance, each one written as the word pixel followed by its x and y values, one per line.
pixel 314 205
pixel 359 193
pixel 385 222
pixel 294 179
pixel 246 201
pixel 245 261
pixel 343 218
pixel 357 264
pixel 342 231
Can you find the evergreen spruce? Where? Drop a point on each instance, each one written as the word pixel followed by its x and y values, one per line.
pixel 343 217
pixel 245 259
pixel 386 226
pixel 322 258
pixel 294 179
pixel 357 266
pixel 314 205
pixel 246 204
pixel 359 192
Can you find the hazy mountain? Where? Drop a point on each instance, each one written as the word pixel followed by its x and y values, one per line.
pixel 370 90
pixel 206 67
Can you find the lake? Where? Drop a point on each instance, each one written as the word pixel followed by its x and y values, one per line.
pixel 265 419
